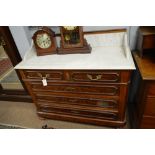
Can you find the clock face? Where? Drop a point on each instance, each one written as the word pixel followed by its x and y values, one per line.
pixel 43 40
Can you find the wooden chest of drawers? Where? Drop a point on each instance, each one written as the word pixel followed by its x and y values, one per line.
pixel 142 99
pixel 146 40
pixel 87 96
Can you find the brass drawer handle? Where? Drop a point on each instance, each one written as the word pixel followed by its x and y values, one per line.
pixel 69 88
pixel 90 77
pixel 43 77
pixel 103 104
pixel 106 104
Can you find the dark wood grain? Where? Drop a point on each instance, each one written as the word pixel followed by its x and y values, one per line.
pixel 74 96
pixel 80 119
pixel 100 103
pixel 147 122
pixel 143 101
pixel 146 66
pixel 77 88
pixel 146 40
pixel 150 106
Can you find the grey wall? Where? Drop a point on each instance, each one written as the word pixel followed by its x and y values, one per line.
pixel 133 33
pixel 22 35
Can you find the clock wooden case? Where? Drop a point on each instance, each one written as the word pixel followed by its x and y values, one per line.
pixel 72 40
pixel 45 41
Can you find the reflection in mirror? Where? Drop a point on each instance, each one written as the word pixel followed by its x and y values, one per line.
pixel 8 76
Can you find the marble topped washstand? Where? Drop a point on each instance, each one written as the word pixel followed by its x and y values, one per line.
pixel 88 88
pixel 109 51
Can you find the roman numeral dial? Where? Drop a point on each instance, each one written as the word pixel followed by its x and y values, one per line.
pixel 43 40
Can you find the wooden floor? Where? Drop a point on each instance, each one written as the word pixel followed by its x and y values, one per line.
pixel 24 115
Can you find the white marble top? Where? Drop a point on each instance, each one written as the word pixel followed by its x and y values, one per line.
pixel 109 51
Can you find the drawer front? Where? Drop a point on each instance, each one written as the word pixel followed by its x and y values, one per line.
pixel 39 74
pixel 77 88
pixel 102 104
pixel 78 76
pixel 149 42
pixel 78 112
pixel 148 122
pixel 151 89
pixel 150 106
pixel 95 76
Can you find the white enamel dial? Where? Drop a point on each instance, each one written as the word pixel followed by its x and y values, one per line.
pixel 43 40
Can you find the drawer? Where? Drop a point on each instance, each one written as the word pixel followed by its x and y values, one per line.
pixel 95 76
pixel 149 42
pixel 74 111
pixel 150 106
pixel 109 89
pixel 39 74
pixel 151 89
pixel 148 122
pixel 77 76
pixel 98 103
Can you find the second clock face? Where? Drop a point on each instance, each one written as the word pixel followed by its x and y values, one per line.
pixel 43 40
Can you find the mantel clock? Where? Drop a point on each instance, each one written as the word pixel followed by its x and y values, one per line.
pixel 44 41
pixel 72 40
